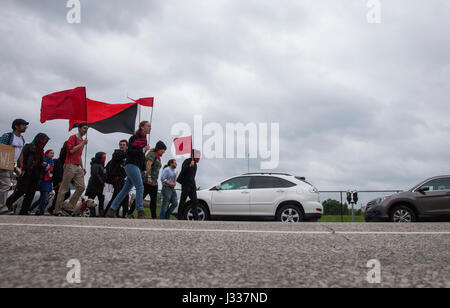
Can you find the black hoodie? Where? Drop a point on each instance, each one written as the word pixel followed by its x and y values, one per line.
pixel 97 179
pixel 33 154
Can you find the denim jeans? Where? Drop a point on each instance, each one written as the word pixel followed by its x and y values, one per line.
pixel 43 203
pixel 134 178
pixel 169 196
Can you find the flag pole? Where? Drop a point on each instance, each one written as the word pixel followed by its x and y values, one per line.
pixel 139 106
pixel 151 123
pixel 85 153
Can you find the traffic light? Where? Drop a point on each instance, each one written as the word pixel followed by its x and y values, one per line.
pixel 349 197
pixel 355 197
pixel 352 197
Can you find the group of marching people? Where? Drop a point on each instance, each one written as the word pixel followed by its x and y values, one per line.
pixel 134 164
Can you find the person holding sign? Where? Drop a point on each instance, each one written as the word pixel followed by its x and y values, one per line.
pixel 15 140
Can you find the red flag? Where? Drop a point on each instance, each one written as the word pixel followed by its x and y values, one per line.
pixel 69 105
pixel 183 145
pixel 146 101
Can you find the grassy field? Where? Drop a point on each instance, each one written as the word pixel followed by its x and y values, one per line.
pixel 337 218
pixel 326 218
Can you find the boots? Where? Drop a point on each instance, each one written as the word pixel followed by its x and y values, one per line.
pixel 141 215
pixel 110 213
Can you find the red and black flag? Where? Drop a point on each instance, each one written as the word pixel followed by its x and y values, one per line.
pixel 109 118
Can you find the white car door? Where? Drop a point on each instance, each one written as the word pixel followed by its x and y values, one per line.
pixel 233 198
pixel 263 196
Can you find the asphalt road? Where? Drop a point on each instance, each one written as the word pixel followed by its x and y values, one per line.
pixel 34 252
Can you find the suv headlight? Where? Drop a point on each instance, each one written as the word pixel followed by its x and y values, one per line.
pixel 376 202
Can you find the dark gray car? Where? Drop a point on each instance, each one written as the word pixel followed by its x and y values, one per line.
pixel 428 201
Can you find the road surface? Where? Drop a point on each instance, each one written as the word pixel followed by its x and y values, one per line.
pixel 35 251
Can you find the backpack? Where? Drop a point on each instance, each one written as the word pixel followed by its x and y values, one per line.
pixel 109 173
pixel 63 153
pixel 10 139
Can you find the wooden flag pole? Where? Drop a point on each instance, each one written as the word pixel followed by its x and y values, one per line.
pixel 151 120
pixel 85 153
pixel 139 106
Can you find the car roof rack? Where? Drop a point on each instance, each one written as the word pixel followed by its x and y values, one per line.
pixel 267 173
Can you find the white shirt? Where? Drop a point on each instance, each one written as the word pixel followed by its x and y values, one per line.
pixel 18 145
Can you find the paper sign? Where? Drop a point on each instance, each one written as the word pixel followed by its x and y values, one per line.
pixel 6 157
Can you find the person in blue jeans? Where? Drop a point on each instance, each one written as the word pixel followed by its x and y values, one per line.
pixel 168 192
pixel 134 166
pixel 45 186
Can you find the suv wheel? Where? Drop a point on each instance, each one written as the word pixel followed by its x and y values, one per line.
pixel 289 213
pixel 202 211
pixel 403 214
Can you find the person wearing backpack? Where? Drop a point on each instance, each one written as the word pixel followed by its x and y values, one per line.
pixel 58 172
pixel 73 170
pixel 33 169
pixel 96 184
pixel 16 140
pixel 115 175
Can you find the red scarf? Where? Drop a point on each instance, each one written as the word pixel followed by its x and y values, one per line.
pixel 158 155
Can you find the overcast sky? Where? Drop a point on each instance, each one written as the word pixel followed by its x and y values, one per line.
pixel 360 106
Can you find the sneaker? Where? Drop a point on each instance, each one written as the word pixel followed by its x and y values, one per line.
pixel 110 214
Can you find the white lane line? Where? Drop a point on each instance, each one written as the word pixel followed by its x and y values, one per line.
pixel 226 231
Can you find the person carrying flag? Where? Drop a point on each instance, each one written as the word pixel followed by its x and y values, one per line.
pixel 188 185
pixel 135 164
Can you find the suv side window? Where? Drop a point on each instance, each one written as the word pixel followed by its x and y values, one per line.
pixel 261 182
pixel 438 184
pixel 282 183
pixel 236 183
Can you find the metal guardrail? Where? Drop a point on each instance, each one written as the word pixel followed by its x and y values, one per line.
pixel 344 192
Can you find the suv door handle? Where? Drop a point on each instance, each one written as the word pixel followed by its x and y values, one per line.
pixel 280 190
pixel 244 192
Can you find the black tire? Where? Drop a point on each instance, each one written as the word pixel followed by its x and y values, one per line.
pixel 290 213
pixel 403 214
pixel 202 209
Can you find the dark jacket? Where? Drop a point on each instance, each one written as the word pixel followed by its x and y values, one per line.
pixel 187 174
pixel 135 152
pixel 97 180
pixel 33 157
pixel 117 163
pixel 33 154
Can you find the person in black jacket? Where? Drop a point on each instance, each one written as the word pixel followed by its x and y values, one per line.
pixel 33 170
pixel 115 174
pixel 188 185
pixel 96 183
pixel 58 173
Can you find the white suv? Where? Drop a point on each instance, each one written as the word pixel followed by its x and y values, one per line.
pixel 278 196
